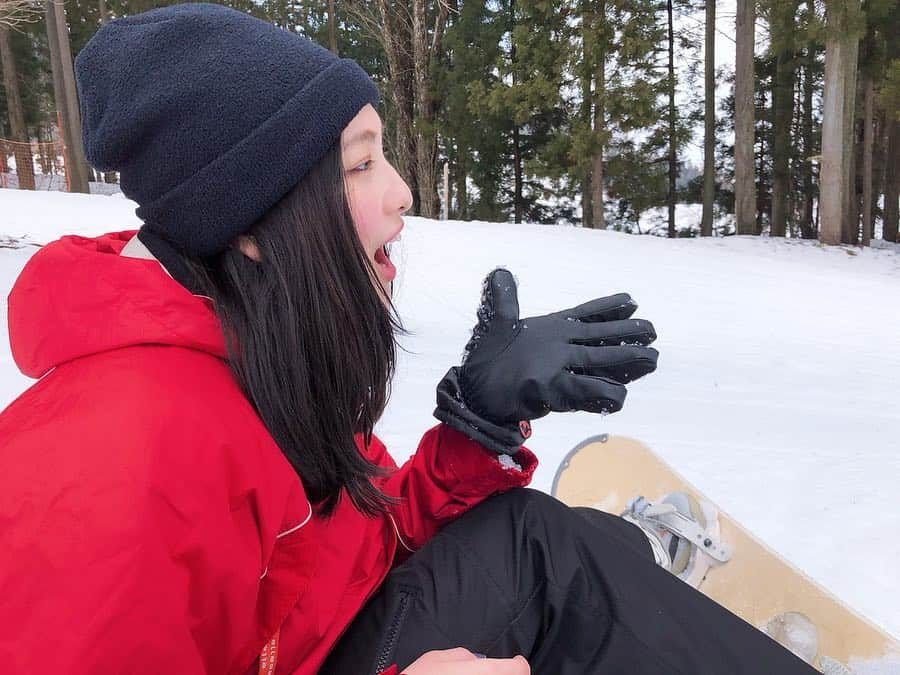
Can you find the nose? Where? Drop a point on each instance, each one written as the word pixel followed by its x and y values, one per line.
pixel 403 197
pixel 408 202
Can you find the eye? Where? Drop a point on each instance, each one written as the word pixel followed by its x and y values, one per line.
pixel 364 164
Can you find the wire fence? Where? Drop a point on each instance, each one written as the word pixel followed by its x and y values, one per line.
pixel 32 166
pixel 46 170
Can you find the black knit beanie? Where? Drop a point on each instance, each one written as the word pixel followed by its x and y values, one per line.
pixel 210 116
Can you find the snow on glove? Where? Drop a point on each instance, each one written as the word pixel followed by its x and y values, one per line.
pixel 517 370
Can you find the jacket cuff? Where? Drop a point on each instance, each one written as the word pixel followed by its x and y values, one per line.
pixel 452 410
pixel 480 472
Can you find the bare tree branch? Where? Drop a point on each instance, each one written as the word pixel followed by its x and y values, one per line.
pixel 440 21
pixel 16 12
pixel 364 13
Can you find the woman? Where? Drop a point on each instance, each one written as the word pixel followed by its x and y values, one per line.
pixel 193 485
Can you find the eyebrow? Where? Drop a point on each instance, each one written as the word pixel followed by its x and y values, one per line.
pixel 360 136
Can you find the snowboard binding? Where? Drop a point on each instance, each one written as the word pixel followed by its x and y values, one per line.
pixel 683 533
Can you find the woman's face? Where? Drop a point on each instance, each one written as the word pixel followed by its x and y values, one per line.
pixel 377 194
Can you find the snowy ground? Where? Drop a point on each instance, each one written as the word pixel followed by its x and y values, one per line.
pixel 777 388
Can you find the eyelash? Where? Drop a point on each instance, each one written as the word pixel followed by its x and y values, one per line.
pixel 368 161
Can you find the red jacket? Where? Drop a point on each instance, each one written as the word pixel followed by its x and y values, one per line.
pixel 148 521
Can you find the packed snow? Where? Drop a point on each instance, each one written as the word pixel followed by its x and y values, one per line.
pixel 777 387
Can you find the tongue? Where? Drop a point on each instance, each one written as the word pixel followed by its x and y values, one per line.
pixel 382 259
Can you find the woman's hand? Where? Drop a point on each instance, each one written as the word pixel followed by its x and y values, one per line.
pixel 515 370
pixel 461 661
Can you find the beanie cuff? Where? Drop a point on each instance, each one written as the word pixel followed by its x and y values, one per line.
pixel 240 185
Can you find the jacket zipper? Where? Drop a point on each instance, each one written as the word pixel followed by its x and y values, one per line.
pixel 393 633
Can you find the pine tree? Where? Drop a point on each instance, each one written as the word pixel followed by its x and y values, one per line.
pixel 528 92
pixel 473 143
pixel 590 136
pixel 643 129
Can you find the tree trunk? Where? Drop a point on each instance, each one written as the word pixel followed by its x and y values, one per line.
pixel 879 156
pixel 461 189
pixel 400 87
pixel 868 147
pixel 66 96
pixel 783 107
pixel 673 160
pixel 744 119
pixel 517 154
pixel 891 180
pixel 599 127
pixel 587 115
pixel 850 231
pixel 22 147
pixel 108 176
pixel 426 141
pixel 587 106
pixel 807 227
pixel 598 215
pixel 424 117
pixel 517 177
pixel 759 157
pixel 709 122
pixel 332 28
pixel 841 50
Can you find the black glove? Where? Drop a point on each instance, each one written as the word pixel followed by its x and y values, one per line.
pixel 518 370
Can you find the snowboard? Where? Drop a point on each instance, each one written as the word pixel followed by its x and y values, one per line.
pixel 748 578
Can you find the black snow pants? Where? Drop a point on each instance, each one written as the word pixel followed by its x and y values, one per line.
pixel 574 590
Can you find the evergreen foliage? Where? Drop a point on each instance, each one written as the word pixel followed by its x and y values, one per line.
pixel 531 96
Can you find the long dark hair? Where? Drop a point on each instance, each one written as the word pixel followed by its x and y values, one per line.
pixel 310 340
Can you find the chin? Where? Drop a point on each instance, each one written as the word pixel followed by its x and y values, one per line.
pixel 386 291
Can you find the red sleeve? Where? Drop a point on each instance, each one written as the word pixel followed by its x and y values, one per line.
pixel 447 475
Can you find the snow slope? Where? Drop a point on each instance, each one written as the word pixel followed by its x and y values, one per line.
pixel 777 386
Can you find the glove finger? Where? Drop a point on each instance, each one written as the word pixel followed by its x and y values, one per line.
pixel 610 308
pixel 588 393
pixel 622 364
pixel 499 296
pixel 604 333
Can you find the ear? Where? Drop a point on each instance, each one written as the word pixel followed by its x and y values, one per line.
pixel 247 245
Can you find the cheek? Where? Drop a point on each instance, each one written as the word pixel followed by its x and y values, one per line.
pixel 364 217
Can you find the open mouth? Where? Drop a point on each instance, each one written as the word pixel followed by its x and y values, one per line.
pixel 383 261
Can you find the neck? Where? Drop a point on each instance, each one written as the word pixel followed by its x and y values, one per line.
pixel 135 248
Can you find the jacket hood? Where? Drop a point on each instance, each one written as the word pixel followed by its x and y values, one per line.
pixel 77 296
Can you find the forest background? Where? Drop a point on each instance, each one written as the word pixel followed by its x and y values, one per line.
pixel 592 113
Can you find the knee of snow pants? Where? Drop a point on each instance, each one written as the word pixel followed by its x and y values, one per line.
pixel 573 590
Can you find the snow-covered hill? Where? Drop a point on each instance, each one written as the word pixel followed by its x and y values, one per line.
pixel 777 388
